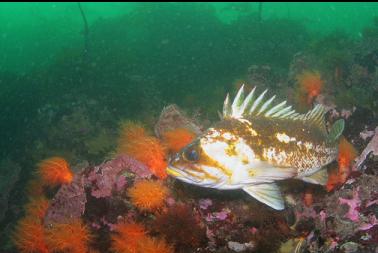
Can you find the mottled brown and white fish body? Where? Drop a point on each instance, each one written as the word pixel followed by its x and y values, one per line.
pixel 283 142
pixel 256 144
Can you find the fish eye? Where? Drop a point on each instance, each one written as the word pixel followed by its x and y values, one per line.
pixel 191 155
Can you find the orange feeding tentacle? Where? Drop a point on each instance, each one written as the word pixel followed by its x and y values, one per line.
pixel 130 131
pixel 347 154
pixel 72 237
pixel 29 235
pixel 178 138
pixel 37 207
pixel 154 245
pixel 333 180
pixel 147 149
pixel 310 85
pixel 308 197
pixel 126 237
pixel 55 171
pixel 34 188
pixel 148 195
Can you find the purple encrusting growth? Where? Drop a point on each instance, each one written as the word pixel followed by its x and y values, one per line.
pixel 101 182
pixel 354 205
pixel 68 203
pixel 111 176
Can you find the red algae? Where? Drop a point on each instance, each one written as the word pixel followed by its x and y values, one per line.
pixel 180 226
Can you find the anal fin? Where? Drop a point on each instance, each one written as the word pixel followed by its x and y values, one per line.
pixel 268 194
pixel 320 177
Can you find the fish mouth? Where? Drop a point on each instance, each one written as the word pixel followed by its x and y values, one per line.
pixel 180 174
pixel 176 172
pixel 172 171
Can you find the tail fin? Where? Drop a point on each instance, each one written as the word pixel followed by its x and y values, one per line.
pixel 336 130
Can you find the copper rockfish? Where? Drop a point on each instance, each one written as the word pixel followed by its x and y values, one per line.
pixel 256 144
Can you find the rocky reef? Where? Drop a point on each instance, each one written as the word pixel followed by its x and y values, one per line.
pixel 110 197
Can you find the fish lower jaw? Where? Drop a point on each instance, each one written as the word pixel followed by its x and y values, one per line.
pixel 172 172
pixel 181 175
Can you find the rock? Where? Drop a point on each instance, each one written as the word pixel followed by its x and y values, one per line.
pixel 372 147
pixel 68 203
pixel 350 247
pixel 8 177
pixel 172 118
pixel 240 247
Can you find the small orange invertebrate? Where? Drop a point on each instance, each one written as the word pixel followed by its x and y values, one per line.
pixel 308 197
pixel 310 86
pixel 130 131
pixel 71 237
pixel 55 171
pixel 145 148
pixel 154 245
pixel 34 187
pixel 333 180
pixel 178 138
pixel 347 154
pixel 126 238
pixel 29 235
pixel 148 195
pixel 37 207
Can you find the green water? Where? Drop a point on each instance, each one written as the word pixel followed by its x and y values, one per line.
pixel 70 72
pixel 33 33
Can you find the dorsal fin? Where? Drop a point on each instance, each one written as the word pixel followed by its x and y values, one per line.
pixel 313 117
pixel 258 106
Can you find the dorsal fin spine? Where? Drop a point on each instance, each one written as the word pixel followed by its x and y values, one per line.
pixel 250 106
pixel 247 100
pixel 266 104
pixel 287 114
pixel 257 102
pixel 238 101
pixel 283 112
pixel 275 109
pixel 226 106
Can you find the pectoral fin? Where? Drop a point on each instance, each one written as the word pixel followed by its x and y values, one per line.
pixel 268 194
pixel 272 173
pixel 320 177
pixel 264 172
pixel 336 130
